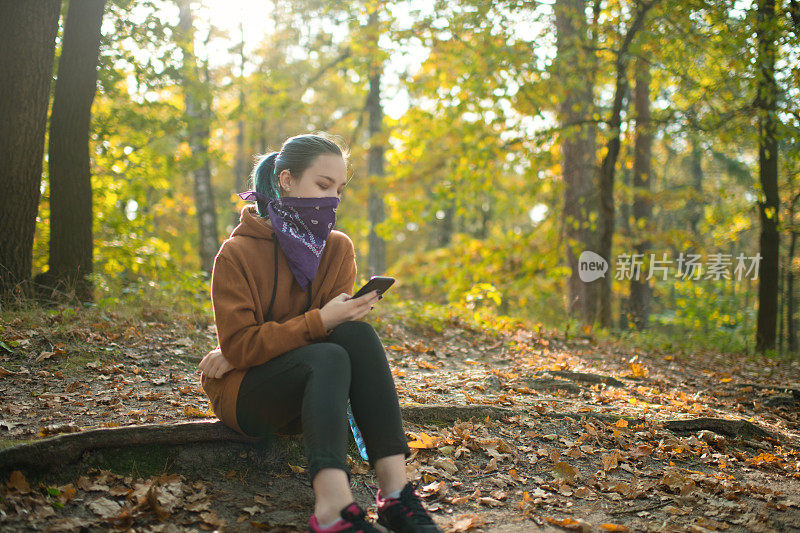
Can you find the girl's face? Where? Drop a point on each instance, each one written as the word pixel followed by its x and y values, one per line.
pixel 327 176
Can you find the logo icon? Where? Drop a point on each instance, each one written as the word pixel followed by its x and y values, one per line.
pixel 591 266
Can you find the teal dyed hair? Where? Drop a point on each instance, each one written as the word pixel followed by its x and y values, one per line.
pixel 297 154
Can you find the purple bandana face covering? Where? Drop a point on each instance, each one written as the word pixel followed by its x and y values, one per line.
pixel 302 225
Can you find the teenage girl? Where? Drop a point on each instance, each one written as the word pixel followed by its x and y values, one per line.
pixel 298 359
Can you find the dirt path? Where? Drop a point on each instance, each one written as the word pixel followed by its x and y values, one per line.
pixel 586 446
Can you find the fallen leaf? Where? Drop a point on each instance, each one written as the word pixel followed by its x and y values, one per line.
pixel 424 441
pixel 570 524
pixel 638 370
pixel 486 500
pixel 105 507
pixel 255 509
pixel 193 412
pixel 18 482
pixel 613 527
pixel 211 518
pixel 467 523
pixel 66 493
pixel 565 471
pixel 611 460
pixel 447 465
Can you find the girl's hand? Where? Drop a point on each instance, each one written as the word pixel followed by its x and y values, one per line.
pixel 214 364
pixel 343 308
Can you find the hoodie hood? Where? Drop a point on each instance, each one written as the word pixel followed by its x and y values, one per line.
pixel 252 225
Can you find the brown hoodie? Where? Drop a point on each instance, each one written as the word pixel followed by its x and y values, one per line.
pixel 241 289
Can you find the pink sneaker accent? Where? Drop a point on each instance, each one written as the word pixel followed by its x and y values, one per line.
pixel 341 525
pixel 405 513
pixel 350 515
pixel 384 503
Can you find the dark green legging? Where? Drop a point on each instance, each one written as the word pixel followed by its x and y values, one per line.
pixel 308 388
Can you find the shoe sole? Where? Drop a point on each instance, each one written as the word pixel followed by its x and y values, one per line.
pixel 382 523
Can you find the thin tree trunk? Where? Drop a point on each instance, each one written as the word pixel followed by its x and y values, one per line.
pixel 241 174
pixel 446 226
pixel 377 213
pixel 197 117
pixel 695 204
pixel 607 167
pixel 623 218
pixel 27 48
pixel 71 246
pixel 781 304
pixel 768 176
pixel 791 327
pixel 485 217
pixel 791 330
pixel 639 301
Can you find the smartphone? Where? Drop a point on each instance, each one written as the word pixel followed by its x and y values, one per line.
pixel 379 283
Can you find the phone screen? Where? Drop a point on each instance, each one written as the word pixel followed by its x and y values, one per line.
pixel 379 283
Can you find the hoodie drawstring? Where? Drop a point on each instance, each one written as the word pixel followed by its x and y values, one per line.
pixel 275 284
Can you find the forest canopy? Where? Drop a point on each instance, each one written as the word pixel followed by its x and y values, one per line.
pixel 497 149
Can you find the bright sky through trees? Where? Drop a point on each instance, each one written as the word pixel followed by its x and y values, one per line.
pixel 254 18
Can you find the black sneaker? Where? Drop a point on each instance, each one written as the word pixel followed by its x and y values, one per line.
pixel 354 521
pixel 405 514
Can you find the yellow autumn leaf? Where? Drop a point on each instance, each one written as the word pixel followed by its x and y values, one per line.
pixel 611 461
pixel 638 370
pixel 424 441
pixel 565 471
pixel 613 527
pixel 193 412
pixel 566 523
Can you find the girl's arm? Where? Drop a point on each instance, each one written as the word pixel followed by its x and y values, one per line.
pixel 245 342
pixel 345 277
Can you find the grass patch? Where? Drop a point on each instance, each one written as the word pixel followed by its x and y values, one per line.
pixel 678 344
pixel 8 443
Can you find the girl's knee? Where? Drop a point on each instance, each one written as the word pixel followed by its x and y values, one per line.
pixel 330 357
pixel 354 327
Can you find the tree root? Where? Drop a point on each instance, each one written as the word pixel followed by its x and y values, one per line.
pixel 69 448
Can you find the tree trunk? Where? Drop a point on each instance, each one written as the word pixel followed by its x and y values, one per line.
pixel 639 302
pixel 71 244
pixel 768 176
pixel 485 217
pixel 624 216
pixel 197 117
pixel 574 68
pixel 377 213
pixel 446 226
pixel 791 330
pixel 606 180
pixel 781 303
pixel 695 206
pixel 241 174
pixel 27 48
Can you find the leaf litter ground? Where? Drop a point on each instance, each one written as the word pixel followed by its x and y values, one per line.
pixel 581 439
